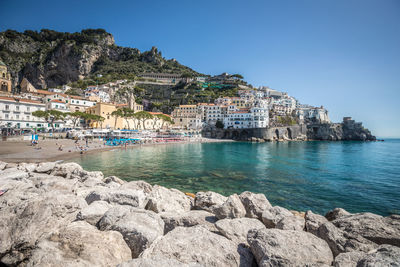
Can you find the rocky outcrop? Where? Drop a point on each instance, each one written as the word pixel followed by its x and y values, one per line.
pixel 49 58
pixel 275 247
pixel 57 214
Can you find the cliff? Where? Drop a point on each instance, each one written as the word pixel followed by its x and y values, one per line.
pixel 50 58
pixel 57 214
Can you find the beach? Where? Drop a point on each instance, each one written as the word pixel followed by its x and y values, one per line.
pixel 48 150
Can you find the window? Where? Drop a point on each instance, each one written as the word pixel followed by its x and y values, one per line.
pixel 6 116
pixel 17 117
pixel 28 108
pixel 7 107
pixel 28 117
pixel 17 108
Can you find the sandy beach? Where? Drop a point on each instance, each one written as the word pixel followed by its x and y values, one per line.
pixel 48 150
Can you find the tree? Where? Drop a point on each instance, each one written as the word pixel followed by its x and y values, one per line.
pixel 50 116
pixel 116 113
pixel 127 114
pixel 219 124
pixel 238 76
pixel 77 115
pixel 142 116
pixel 165 119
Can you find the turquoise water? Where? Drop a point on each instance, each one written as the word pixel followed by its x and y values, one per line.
pixel 319 176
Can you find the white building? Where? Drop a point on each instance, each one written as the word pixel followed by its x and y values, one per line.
pixel 238 119
pixel 57 105
pixel 309 114
pixel 17 113
pixel 214 114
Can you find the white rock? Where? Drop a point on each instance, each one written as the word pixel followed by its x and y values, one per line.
pixel 137 185
pixel 231 208
pixel 138 227
pixel 254 204
pixel 275 247
pixel 45 167
pixel 237 229
pixel 188 219
pixel 208 200
pixel 162 199
pixel 291 223
pixel 197 244
pixel 93 213
pixel 132 198
pixel 273 215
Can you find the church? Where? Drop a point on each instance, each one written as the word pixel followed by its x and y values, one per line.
pixel 5 78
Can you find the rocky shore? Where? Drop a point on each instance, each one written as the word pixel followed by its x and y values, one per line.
pixel 57 214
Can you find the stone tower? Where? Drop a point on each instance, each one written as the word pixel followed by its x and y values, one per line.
pixel 5 78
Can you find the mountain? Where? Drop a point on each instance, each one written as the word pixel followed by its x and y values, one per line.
pixel 49 58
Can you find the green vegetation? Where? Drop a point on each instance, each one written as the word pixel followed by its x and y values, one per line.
pixel 219 124
pixel 286 120
pixel 50 116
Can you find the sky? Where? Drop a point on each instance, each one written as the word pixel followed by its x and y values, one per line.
pixel 342 54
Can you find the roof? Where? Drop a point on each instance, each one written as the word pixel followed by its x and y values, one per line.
pixel 23 100
pixel 187 106
pixel 44 92
pixel 57 101
pixel 240 112
pixel 121 105
pixel 76 97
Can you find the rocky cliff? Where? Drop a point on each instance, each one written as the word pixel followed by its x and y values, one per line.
pixel 57 214
pixel 49 58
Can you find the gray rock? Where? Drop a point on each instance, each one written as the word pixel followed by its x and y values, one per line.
pixel 336 214
pixel 2 165
pixel 378 229
pixel 385 255
pixel 13 174
pixel 32 219
pixel 80 244
pixel 254 204
pixel 348 259
pixel 188 219
pixel 138 185
pixel 275 247
pixel 93 213
pixel 27 167
pixel 132 198
pixel 114 179
pixel 197 244
pixel 237 229
pixel 273 215
pixel 162 199
pixel 45 167
pixel 314 221
pixel 66 170
pixel 231 208
pixel 340 241
pixel 138 227
pixel 208 200
pixel 291 223
pixel 157 261
pixel 11 165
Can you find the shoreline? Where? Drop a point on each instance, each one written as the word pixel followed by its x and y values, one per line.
pixel 22 151
pixel 57 207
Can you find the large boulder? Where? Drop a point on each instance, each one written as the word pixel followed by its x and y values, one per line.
pixel 237 229
pixel 208 200
pixel 27 167
pixel 32 219
pixel 231 208
pixel 138 227
pixel 291 223
pixel 66 170
pixel 162 199
pixel 254 204
pixel 314 221
pixel 384 255
pixel 138 185
pixel 45 167
pixel 2 165
pixel 340 241
pixel 134 198
pixel 188 219
pixel 197 244
pixel 336 214
pixel 13 174
pixel 80 244
pixel 272 216
pixel 378 229
pixel 113 179
pixel 94 212
pixel 275 247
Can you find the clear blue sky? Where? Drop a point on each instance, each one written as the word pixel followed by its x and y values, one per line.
pixel 343 54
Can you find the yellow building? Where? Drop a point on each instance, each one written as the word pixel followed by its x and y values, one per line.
pixel 105 110
pixel 5 78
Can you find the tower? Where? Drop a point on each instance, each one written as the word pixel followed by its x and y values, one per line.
pixel 5 78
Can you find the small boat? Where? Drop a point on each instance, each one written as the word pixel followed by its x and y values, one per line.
pixel 3 191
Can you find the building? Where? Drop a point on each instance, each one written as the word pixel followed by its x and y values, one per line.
pixel 105 110
pixel 58 105
pixel 78 103
pixel 308 114
pixel 214 114
pixel 187 117
pixel 5 78
pixel 17 113
pixel 163 77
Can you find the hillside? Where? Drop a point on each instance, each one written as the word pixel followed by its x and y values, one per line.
pixel 49 58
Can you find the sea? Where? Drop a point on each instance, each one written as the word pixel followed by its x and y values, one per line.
pixel 313 175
